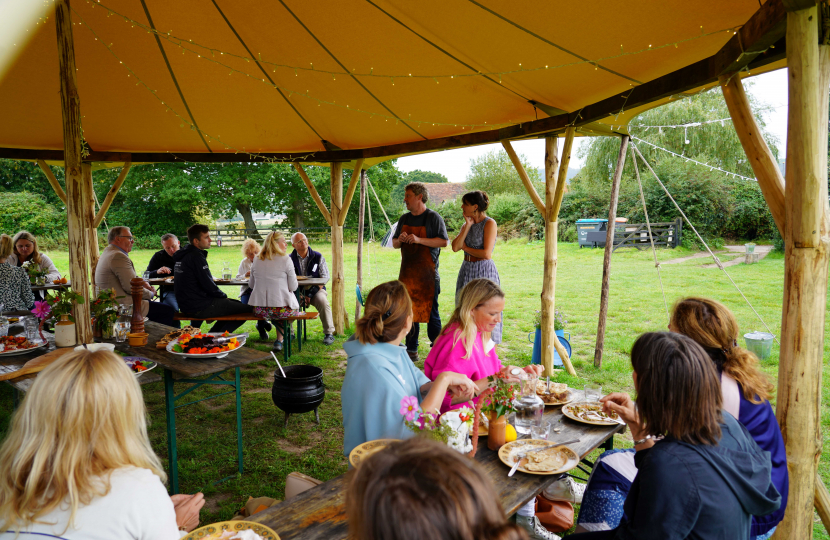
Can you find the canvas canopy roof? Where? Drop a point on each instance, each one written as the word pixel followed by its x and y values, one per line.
pixel 395 77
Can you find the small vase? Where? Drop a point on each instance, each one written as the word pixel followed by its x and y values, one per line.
pixel 497 431
pixel 64 332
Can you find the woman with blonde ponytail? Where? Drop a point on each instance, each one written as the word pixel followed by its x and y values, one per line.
pixel 273 283
pixel 380 374
pixel 449 498
pixel 464 345
pixel 77 461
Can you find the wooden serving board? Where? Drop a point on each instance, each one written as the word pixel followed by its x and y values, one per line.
pixel 36 364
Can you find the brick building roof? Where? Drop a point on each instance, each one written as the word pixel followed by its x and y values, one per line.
pixel 440 192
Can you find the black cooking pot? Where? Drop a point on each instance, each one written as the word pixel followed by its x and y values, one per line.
pixel 300 391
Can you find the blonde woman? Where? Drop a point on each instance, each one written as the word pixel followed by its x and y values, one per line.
pixel 250 249
pixel 15 293
pixel 273 283
pixel 77 462
pixel 464 345
pixel 25 250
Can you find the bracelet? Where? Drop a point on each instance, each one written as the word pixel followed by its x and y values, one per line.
pixel 647 438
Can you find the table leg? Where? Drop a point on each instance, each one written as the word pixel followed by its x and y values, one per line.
pixel 286 330
pixel 239 419
pixel 172 457
pixel 299 337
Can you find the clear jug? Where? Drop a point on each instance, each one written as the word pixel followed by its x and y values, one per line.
pixel 529 407
pixel 122 323
pixel 226 271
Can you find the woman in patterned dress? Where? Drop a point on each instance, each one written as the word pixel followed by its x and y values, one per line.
pixel 15 293
pixel 477 238
pixel 25 250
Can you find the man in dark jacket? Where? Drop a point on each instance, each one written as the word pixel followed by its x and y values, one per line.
pixel 161 266
pixel 195 289
pixel 308 262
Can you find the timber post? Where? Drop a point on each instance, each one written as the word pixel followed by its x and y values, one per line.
pixel 361 213
pixel 78 216
pixel 92 230
pixel 338 289
pixel 609 249
pixel 805 267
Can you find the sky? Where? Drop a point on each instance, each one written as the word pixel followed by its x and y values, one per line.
pixel 768 88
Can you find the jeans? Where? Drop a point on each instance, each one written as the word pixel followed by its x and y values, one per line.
pixel 162 314
pixel 263 325
pixel 223 306
pixel 169 298
pixel 433 326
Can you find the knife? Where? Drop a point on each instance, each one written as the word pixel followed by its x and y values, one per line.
pixel 547 386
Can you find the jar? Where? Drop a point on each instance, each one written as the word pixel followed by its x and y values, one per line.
pixel 64 332
pixel 529 407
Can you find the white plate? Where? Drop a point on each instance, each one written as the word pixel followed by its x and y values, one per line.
pixel 241 339
pixel 131 360
pixel 508 451
pixel 18 352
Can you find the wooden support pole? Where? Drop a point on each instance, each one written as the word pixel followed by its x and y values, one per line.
pixel 537 201
pixel 314 195
pixel 338 282
pixel 91 231
pixel 563 171
pixel 361 214
pixel 347 201
pixel 823 503
pixel 764 165
pixel 549 340
pixel 609 249
pixel 78 216
pixel 52 180
pixel 805 271
pixel 102 212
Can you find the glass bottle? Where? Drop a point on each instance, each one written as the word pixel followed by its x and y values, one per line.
pixel 529 407
pixel 122 323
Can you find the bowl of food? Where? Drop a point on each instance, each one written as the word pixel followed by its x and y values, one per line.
pixel 233 530
pixel 210 345
pixel 138 339
pixel 139 365
pixel 556 394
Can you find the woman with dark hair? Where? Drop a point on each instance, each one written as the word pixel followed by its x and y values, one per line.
pixel 699 473
pixel 744 391
pixel 477 238
pixel 380 374
pixel 419 489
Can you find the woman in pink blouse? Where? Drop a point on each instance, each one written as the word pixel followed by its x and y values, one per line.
pixel 464 345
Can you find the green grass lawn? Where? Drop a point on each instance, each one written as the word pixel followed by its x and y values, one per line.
pixel 206 431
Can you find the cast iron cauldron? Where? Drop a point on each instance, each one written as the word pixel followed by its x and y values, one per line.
pixel 300 391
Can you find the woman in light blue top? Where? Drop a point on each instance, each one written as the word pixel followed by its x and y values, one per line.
pixel 380 374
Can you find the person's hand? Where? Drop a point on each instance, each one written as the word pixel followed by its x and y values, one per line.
pixel 187 509
pixel 163 270
pixel 468 221
pixel 403 237
pixel 507 371
pixel 248 273
pixel 622 404
pixel 534 369
pixel 412 239
pixel 459 385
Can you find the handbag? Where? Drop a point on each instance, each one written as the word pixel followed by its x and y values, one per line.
pixel 556 516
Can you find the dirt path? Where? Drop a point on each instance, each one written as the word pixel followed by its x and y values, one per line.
pixel 730 251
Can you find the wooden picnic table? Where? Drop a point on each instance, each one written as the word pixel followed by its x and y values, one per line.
pixel 51 286
pixel 168 280
pixel 176 370
pixel 320 512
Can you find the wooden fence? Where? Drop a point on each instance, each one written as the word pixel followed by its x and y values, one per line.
pixel 636 235
pixel 228 236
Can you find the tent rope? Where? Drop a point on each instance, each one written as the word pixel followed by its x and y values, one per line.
pixel 379 203
pixel 717 261
pixel 372 241
pixel 650 236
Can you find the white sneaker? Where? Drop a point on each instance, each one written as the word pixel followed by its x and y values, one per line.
pixel 535 530
pixel 565 489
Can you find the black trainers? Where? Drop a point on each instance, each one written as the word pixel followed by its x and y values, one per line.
pixel 263 334
pixel 328 339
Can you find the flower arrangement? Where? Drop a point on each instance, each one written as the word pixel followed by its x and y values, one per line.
pixel 452 428
pixel 105 310
pixel 37 276
pixel 62 302
pixel 42 312
pixel 559 320
pixel 500 402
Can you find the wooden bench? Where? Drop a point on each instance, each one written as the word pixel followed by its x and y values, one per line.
pixel 285 323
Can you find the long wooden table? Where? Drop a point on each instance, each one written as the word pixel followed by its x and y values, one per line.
pixel 320 512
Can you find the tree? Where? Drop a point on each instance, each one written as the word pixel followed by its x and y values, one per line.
pixel 494 173
pixel 19 176
pixel 427 177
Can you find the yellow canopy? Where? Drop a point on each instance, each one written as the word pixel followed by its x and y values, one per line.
pixel 256 76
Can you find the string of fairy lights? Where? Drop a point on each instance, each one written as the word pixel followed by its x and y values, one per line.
pixel 710 167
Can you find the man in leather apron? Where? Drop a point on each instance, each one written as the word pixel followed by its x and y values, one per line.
pixel 420 235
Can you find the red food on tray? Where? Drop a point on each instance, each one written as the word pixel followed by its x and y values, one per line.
pixel 13 343
pixel 203 344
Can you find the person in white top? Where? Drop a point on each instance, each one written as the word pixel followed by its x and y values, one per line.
pixel 250 249
pixel 273 283
pixel 56 481
pixel 25 250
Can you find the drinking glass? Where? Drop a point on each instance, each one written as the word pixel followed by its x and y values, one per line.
pixel 226 271
pixel 529 407
pixel 593 392
pixel 4 326
pixel 120 331
pixel 146 275
pixel 30 323
pixel 540 432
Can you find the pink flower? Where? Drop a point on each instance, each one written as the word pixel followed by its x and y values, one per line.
pixel 409 407
pixel 42 309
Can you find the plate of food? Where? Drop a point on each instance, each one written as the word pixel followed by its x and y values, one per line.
pixel 590 413
pixel 167 338
pixel 559 393
pixel 302 278
pixel 139 365
pixel 556 460
pixel 15 345
pixel 211 345
pixel 362 452
pixel 233 530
